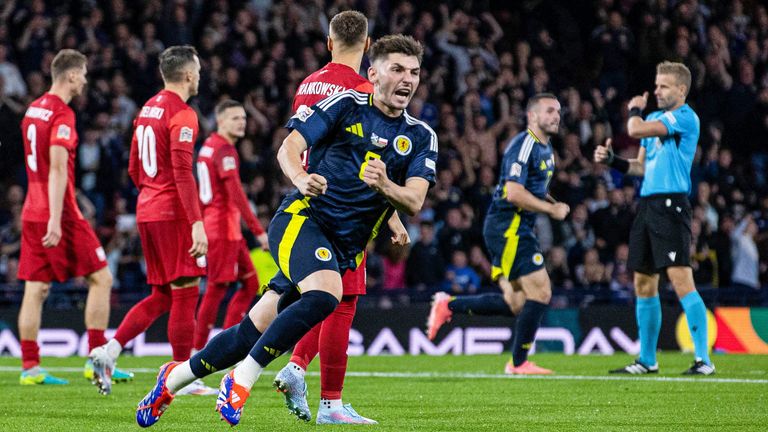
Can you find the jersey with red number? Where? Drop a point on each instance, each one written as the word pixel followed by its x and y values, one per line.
pixel 48 122
pixel 330 79
pixel 165 124
pixel 216 162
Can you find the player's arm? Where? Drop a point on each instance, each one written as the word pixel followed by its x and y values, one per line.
pixel 634 167
pixel 408 198
pixel 518 195
pixel 289 158
pixel 399 233
pixel 57 185
pixel 133 159
pixel 235 191
pixel 183 130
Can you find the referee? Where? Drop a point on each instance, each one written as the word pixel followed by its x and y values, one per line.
pixel 661 234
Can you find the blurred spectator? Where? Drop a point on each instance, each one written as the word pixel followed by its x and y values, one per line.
pixel 425 268
pixel 460 278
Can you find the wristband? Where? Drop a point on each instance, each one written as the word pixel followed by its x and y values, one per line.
pixel 635 112
pixel 619 164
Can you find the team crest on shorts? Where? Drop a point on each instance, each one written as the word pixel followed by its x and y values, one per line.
pixel 403 145
pixel 538 259
pixel 323 254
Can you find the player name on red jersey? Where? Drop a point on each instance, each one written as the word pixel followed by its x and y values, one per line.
pixel 320 88
pixel 38 113
pixel 152 112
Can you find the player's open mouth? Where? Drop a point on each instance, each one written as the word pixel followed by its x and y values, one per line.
pixel 403 92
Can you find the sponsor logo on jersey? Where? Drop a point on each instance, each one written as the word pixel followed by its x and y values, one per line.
pixel 323 254
pixel 186 134
pixel 63 132
pixel 515 170
pixel 228 163
pixel 378 141
pixel 403 145
pixel 538 259
pixel 355 129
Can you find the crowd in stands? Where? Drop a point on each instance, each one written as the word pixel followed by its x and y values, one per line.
pixel 482 61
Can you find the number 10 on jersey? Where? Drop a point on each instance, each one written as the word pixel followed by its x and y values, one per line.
pixel 145 137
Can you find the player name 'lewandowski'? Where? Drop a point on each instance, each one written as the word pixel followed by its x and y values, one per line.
pixel 38 113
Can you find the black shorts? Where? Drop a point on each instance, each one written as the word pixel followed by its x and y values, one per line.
pixel 661 234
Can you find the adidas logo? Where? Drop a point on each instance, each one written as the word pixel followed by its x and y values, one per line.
pixel 273 352
pixel 208 366
pixel 355 129
pixel 672 256
pixel 235 397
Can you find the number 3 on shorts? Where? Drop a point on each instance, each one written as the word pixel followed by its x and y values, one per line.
pixel 368 157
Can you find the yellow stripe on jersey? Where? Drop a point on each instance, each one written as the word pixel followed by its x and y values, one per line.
pixel 297 206
pixel 510 248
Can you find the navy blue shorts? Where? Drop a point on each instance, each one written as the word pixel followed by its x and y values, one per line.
pixel 513 254
pixel 298 245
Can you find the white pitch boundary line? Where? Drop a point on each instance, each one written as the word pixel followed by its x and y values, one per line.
pixel 439 375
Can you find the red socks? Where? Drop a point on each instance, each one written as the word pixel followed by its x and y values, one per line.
pixel 30 354
pixel 95 338
pixel 206 314
pixel 241 301
pixel 181 322
pixel 144 313
pixel 330 338
pixel 334 340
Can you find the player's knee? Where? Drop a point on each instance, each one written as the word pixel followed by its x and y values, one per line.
pixel 40 291
pixel 102 280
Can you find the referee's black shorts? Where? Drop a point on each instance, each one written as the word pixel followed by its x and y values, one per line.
pixel 661 234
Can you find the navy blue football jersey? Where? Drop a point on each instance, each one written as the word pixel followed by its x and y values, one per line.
pixel 531 163
pixel 344 132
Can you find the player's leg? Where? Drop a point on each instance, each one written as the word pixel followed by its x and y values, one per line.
pixel 538 292
pixel 222 351
pixel 97 306
pixel 30 315
pixel 206 313
pixel 181 320
pixel 249 288
pixel 696 315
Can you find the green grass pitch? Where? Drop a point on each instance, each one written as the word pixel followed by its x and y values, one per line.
pixel 447 393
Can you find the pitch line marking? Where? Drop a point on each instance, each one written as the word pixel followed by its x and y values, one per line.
pixel 449 375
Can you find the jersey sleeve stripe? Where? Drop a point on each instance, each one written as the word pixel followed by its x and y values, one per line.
pixel 525 149
pixel 433 136
pixel 328 102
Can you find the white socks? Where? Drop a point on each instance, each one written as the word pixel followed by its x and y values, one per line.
pixel 330 404
pixel 247 372
pixel 179 377
pixel 114 349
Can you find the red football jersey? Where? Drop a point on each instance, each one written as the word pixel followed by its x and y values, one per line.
pixel 48 122
pixel 164 124
pixel 330 79
pixel 217 161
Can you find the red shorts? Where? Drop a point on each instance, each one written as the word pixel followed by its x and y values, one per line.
pixel 78 253
pixel 353 281
pixel 166 245
pixel 228 261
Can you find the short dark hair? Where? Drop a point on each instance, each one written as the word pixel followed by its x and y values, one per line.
pixel 174 59
pixel 349 27
pixel 398 43
pixel 225 105
pixel 65 60
pixel 534 100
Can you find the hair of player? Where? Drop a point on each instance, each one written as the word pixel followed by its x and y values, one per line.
pixel 65 60
pixel 349 28
pixel 680 71
pixel 534 100
pixel 395 44
pixel 173 61
pixel 225 105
